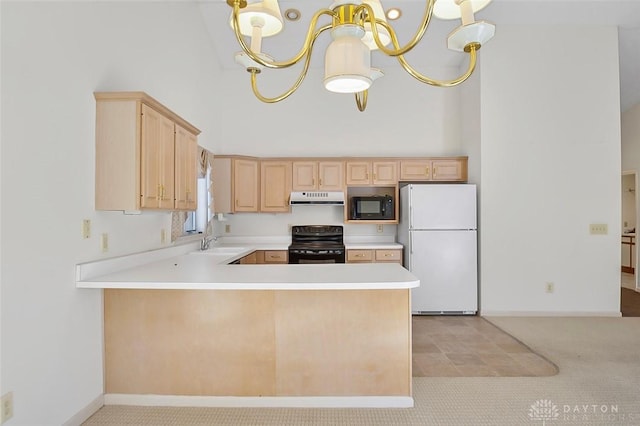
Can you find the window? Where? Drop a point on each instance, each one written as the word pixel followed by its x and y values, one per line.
pixel 197 220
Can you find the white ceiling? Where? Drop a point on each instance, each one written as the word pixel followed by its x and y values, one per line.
pixel 432 53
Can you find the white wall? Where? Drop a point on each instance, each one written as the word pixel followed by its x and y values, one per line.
pixel 403 117
pixel 54 56
pixel 550 167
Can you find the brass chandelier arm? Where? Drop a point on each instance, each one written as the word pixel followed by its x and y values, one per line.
pixel 471 48
pixel 254 73
pixel 361 100
pixel 397 51
pixel 309 40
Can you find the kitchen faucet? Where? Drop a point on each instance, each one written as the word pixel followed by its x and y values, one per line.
pixel 206 240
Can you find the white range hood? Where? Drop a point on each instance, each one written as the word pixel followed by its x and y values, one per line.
pixel 335 198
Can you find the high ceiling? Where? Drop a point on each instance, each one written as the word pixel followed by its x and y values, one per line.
pixel 432 53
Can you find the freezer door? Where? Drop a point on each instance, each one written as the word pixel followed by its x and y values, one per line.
pixel 446 264
pixel 443 206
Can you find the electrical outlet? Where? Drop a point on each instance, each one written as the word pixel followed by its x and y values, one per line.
pixel 598 229
pixel 104 242
pixel 7 407
pixel 86 228
pixel 380 228
pixel 227 228
pixel 549 287
pixel 163 236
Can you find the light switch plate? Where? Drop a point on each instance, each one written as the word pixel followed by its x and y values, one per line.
pixel 7 407
pixel 86 228
pixel 598 229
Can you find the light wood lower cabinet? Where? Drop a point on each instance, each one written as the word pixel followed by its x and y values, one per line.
pixel 375 256
pixel 271 257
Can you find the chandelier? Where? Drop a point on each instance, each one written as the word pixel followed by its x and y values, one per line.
pixel 357 27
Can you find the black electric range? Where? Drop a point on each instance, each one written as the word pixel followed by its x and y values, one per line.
pixel 317 244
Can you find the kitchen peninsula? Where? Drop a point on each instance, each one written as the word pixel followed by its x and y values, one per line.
pixel 184 327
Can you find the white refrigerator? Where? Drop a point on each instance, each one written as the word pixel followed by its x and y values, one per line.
pixel 438 229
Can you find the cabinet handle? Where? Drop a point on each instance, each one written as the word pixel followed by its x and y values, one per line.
pixel 434 172
pixel 427 172
pixel 159 193
pixel 313 182
pixel 375 177
pixel 388 255
pixel 359 255
pixel 320 181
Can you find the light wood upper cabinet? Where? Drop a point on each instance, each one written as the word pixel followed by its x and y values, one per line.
pixel 135 152
pixel 372 172
pixel 186 169
pixel 442 169
pixel 275 186
pixel 317 175
pixel 236 184
pixel 245 185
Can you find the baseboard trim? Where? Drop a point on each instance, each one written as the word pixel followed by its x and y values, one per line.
pixel 88 411
pixel 550 314
pixel 260 401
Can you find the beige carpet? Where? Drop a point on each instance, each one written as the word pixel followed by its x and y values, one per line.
pixel 598 384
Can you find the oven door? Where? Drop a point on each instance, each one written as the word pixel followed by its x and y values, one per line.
pixel 316 256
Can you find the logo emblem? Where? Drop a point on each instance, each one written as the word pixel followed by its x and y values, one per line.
pixel 543 410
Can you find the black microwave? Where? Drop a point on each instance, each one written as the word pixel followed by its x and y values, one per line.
pixel 373 207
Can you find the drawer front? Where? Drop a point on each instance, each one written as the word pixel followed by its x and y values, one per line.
pixel 389 256
pixel 276 256
pixel 359 255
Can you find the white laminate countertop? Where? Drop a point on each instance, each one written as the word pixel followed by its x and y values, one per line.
pixel 209 270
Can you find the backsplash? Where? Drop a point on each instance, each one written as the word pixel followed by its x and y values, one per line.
pixel 279 224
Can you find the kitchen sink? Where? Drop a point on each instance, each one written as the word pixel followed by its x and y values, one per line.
pixel 224 250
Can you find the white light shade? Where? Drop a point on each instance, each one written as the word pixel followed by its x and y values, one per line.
pixel 478 32
pixel 347 63
pixel 265 14
pixel 451 9
pixel 383 34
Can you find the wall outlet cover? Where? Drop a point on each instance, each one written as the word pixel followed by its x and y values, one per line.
pixel 7 407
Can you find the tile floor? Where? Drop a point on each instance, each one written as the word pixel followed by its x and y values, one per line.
pixel 470 346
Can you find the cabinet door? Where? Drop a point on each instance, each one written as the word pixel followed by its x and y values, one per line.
pixel 448 170
pixel 276 256
pixel 359 256
pixel 331 176
pixel 358 173
pixel 186 148
pixel 305 175
pixel 385 172
pixel 157 160
pixel 415 170
pixel 392 255
pixel 245 185
pixel 275 186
